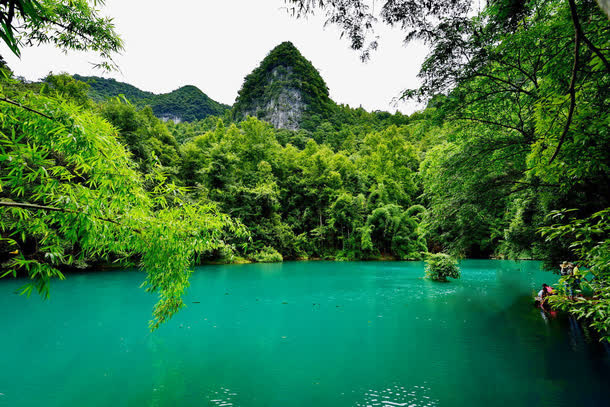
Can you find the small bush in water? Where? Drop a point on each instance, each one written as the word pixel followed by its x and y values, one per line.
pixel 268 255
pixel 441 266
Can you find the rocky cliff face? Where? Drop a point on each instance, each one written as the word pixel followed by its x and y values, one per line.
pixel 168 117
pixel 283 90
pixel 284 108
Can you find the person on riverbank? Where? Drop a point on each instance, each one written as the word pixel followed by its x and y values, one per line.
pixel 576 277
pixel 566 270
pixel 544 293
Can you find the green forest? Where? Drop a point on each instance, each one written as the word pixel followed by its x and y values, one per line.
pixel 187 103
pixel 510 158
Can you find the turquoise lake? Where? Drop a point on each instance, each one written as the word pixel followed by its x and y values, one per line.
pixel 301 334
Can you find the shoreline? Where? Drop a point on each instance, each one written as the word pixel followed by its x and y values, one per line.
pixel 115 267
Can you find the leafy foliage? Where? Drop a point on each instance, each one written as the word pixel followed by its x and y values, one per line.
pixel 357 18
pixel 148 139
pixel 70 196
pixel 70 25
pixel 441 266
pixel 590 242
pixel 268 255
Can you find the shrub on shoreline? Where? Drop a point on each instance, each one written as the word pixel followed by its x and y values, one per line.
pixel 268 255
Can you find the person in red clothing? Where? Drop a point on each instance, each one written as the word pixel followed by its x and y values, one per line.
pixel 547 290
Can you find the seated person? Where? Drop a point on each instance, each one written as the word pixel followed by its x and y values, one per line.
pixel 546 291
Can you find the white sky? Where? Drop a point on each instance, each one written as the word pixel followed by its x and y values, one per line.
pixel 215 44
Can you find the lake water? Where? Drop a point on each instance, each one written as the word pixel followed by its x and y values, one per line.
pixel 301 334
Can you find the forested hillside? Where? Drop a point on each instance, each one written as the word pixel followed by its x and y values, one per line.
pixel 187 103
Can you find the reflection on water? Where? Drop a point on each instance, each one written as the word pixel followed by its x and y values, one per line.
pixel 581 338
pixel 577 337
pixel 416 396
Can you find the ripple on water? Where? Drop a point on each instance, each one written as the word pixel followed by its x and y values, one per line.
pixel 222 398
pixel 398 396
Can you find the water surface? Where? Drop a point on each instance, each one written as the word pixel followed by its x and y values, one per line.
pixel 301 334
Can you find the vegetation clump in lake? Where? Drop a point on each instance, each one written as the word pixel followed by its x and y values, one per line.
pixel 441 267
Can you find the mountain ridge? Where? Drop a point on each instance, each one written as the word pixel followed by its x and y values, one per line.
pixel 285 89
pixel 186 103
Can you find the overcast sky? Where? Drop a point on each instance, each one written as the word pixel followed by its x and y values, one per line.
pixel 215 44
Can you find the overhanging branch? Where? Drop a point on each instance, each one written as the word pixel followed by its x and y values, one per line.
pixel 36 207
pixel 572 90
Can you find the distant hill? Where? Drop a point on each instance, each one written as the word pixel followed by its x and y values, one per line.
pixel 187 103
pixel 285 89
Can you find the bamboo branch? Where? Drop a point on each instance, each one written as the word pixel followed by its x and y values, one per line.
pixel 29 109
pixel 36 207
pixel 33 206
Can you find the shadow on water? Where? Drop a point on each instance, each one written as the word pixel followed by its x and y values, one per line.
pixel 567 351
